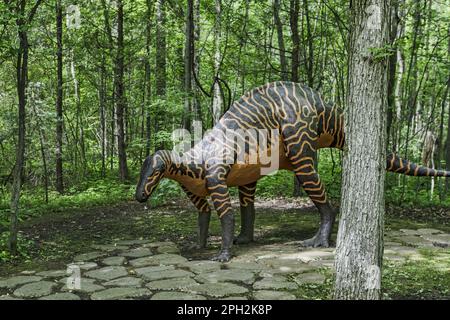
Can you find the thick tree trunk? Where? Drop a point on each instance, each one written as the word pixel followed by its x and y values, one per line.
pixel 359 248
pixel 59 100
pixel 161 54
pixel 217 105
pixel 281 47
pixel 120 96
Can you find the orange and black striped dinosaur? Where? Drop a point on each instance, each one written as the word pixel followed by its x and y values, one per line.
pixel 296 122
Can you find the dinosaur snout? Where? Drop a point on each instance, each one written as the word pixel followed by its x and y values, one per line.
pixel 140 195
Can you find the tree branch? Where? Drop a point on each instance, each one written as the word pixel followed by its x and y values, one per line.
pixel 33 11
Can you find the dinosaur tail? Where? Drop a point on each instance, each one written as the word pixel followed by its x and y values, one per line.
pixel 399 165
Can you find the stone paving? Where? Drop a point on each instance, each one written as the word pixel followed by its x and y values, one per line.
pixel 141 269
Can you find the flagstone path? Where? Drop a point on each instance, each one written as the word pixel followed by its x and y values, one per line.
pixel 141 269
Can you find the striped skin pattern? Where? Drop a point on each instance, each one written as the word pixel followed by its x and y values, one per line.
pixel 398 165
pixel 299 122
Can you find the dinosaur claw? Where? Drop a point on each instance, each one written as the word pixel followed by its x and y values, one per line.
pixel 222 256
pixel 315 242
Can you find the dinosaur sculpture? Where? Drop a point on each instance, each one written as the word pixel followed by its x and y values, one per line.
pixel 300 122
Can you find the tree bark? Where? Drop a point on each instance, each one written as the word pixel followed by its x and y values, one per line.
pixel 359 248
pixel 59 100
pixel 120 96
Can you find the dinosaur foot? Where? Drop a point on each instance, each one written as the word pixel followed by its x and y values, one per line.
pixel 222 256
pixel 315 242
pixel 242 239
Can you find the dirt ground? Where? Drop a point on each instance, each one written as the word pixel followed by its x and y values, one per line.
pixel 55 238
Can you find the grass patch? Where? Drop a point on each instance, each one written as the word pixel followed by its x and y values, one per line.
pixel 418 280
pixel 414 280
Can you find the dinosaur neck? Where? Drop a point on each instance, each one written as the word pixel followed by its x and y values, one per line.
pixel 331 128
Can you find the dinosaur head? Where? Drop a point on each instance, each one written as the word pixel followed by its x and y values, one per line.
pixel 153 170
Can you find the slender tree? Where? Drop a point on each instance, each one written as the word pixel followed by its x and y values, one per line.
pixel 188 64
pixel 59 99
pixel 120 95
pixel 23 22
pixel 293 18
pixel 309 58
pixel 35 101
pixel 196 59
pixel 447 145
pixel 411 77
pixel 102 111
pixel 108 30
pixel 393 32
pixel 281 46
pixel 241 67
pixel 295 63
pixel 161 55
pixel 217 105
pixel 359 248
pixel 148 88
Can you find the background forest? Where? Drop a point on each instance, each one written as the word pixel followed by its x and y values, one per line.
pixel 89 88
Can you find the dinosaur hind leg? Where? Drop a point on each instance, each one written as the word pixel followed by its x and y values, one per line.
pixel 310 181
pixel 301 157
